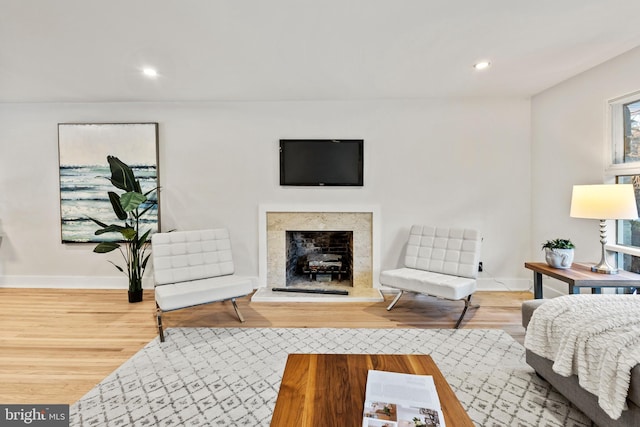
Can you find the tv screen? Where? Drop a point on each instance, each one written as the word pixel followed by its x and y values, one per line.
pixel 321 162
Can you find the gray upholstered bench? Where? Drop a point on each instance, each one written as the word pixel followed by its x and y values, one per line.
pixel 528 307
pixel 439 261
pixel 570 387
pixel 195 267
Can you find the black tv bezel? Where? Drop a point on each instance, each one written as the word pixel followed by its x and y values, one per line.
pixel 360 164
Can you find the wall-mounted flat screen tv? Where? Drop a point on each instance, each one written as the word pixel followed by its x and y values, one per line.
pixel 322 162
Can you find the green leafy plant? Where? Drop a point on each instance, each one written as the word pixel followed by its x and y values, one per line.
pixel 558 244
pixel 129 207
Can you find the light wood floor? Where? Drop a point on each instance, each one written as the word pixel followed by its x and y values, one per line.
pixel 57 344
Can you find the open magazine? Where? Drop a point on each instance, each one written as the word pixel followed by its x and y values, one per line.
pixel 401 400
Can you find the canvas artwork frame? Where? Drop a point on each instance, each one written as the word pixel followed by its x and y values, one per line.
pixel 84 175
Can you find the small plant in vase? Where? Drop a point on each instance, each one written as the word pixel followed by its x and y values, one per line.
pixel 129 207
pixel 558 252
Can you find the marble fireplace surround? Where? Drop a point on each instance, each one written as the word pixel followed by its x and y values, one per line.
pixel 275 220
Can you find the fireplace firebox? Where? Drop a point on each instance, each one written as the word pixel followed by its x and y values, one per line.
pixel 319 258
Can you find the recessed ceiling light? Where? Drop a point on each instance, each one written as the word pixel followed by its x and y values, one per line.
pixel 481 65
pixel 150 72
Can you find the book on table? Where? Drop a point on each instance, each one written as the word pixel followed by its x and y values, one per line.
pixel 401 400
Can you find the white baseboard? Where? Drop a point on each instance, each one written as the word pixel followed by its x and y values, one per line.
pixel 116 282
pixel 70 282
pixel 504 284
pixel 549 293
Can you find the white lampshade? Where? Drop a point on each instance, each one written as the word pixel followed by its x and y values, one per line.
pixel 608 201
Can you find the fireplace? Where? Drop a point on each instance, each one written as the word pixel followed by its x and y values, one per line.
pixel 319 257
pixel 325 229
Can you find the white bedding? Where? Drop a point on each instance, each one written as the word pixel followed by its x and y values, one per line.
pixel 596 337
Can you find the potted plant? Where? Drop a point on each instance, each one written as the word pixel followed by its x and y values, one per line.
pixel 558 252
pixel 129 207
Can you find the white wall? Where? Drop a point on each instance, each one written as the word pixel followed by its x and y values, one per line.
pixel 569 144
pixel 455 162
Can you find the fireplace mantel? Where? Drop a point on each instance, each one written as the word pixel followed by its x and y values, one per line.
pixel 265 209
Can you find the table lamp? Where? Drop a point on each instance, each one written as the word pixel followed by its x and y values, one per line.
pixel 603 202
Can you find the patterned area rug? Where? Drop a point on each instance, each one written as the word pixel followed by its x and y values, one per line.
pixel 231 376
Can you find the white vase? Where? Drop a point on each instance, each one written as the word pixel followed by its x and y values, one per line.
pixel 558 258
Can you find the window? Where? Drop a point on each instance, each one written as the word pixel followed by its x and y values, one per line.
pixel 628 232
pixel 631 131
pixel 625 169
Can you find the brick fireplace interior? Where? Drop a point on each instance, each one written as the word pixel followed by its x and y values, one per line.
pixel 319 258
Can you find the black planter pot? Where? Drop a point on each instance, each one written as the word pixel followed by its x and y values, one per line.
pixel 135 296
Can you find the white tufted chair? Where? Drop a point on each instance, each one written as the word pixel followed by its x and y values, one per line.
pixel 441 262
pixel 193 268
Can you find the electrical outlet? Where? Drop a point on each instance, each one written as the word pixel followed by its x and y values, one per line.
pixel 480 268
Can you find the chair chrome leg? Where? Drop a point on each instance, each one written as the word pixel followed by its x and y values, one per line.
pixel 235 307
pixel 159 321
pixel 467 304
pixel 395 300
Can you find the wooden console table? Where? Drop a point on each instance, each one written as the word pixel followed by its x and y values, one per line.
pixel 581 276
pixel 329 389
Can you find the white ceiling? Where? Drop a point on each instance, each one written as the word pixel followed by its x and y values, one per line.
pixel 220 50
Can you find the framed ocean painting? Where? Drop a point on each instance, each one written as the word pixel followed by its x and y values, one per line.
pixel 85 175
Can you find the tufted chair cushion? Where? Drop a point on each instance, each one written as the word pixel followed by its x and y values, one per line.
pixel 452 251
pixel 191 255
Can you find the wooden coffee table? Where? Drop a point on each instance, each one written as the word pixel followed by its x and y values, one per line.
pixel 328 389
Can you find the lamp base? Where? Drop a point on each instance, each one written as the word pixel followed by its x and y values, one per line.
pixel 603 266
pixel 604 270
